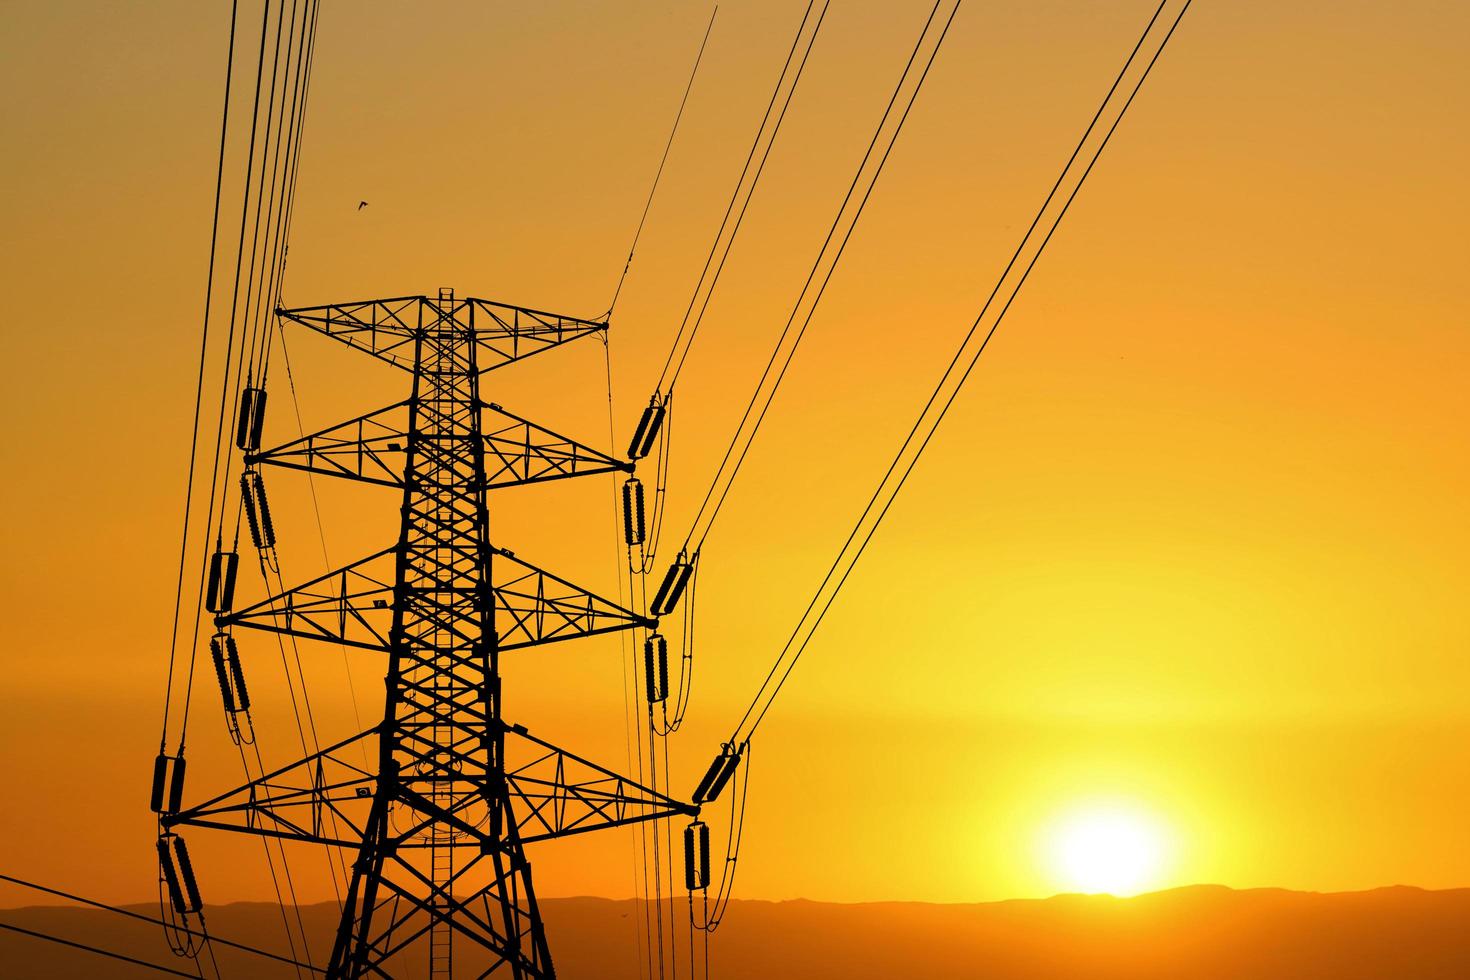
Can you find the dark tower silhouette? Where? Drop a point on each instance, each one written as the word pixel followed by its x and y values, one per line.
pixel 438 824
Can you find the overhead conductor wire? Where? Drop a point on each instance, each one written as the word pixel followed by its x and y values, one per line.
pixel 642 936
pixel 176 942
pixel 284 174
pixel 658 174
pixel 712 916
pixel 256 314
pixel 680 347
pixel 219 178
pixel 740 197
pixel 220 433
pixel 642 941
pixel 98 950
pixel 144 918
pixel 235 365
pixel 766 133
pixel 727 470
pixel 848 556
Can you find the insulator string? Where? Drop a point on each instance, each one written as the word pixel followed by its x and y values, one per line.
pixel 199 383
pixel 230 361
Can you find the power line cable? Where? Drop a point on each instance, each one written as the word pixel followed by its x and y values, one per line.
pixel 282 177
pixel 149 919
pixel 243 303
pixel 662 399
pixel 674 349
pixel 219 178
pixel 722 481
pixel 1020 247
pixel 628 263
pixel 321 531
pixel 291 194
pixel 631 738
pixel 98 950
pixel 263 198
pixel 664 396
pixel 256 288
pixel 270 861
pixel 283 171
pixel 214 496
pixel 949 401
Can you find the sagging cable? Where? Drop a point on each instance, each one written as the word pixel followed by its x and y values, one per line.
pixel 951 382
pixel 658 174
pixel 648 433
pixel 829 255
pixel 696 850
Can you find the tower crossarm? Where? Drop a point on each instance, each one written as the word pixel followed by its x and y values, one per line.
pixel 558 794
pixel 353 605
pixel 533 606
pixel 519 451
pixel 389 328
pixel 373 448
pixel 322 799
pixel 326 798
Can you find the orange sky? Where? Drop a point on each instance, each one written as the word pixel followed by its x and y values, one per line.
pixel 1194 537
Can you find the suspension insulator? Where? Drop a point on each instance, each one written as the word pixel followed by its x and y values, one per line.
pixel 227 669
pixel 220 596
pixel 170 874
pixel 696 856
pixel 168 775
pixel 160 776
pixel 717 776
pixel 672 587
pixel 176 785
pixel 252 417
pixel 633 518
pixel 647 431
pixel 186 872
pixel 178 874
pixel 257 510
pixel 656 668
pixel 237 674
pixel 222 669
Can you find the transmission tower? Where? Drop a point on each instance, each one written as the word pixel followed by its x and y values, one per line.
pixel 439 823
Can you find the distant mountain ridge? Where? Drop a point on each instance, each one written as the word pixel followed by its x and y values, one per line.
pixel 1202 932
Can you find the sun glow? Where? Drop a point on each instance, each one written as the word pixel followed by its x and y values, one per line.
pixel 1113 848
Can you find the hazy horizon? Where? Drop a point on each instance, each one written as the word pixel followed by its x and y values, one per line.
pixel 1210 934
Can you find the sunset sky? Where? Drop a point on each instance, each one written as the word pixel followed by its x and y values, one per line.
pixel 1193 545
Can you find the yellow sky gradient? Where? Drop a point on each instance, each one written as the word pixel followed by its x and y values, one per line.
pixel 1194 537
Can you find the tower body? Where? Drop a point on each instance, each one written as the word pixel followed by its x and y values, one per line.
pixel 441 747
pixel 436 828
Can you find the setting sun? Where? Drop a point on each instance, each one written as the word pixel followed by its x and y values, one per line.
pixel 1113 848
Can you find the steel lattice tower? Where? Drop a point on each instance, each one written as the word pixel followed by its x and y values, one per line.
pixel 440 875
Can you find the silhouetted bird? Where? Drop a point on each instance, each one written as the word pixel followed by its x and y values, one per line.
pixel 361 205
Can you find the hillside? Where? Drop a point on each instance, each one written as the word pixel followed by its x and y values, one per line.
pixel 1204 933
